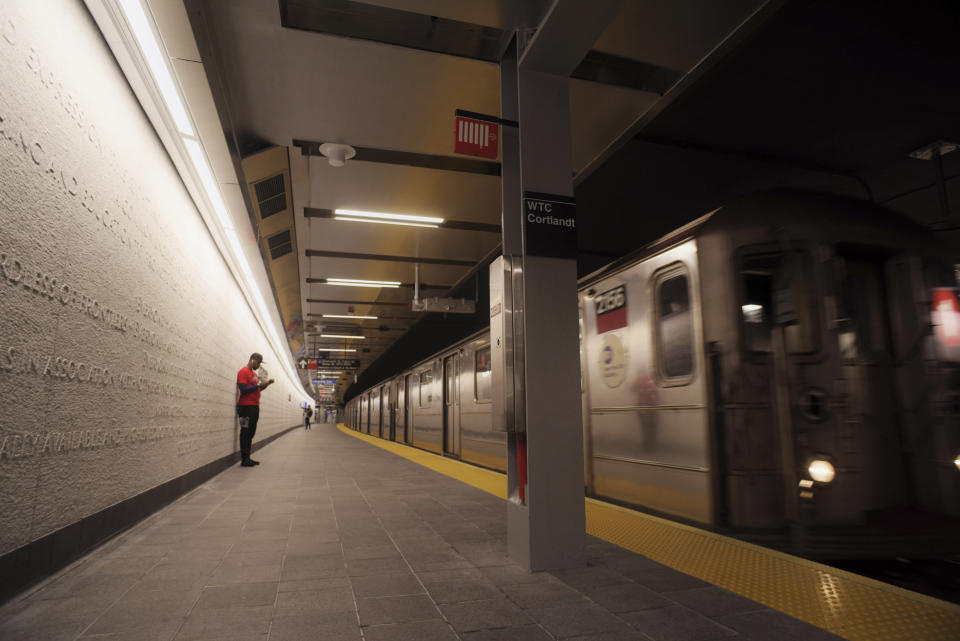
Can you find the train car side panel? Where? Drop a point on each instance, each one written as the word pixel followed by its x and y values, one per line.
pixel 647 390
pixel 479 443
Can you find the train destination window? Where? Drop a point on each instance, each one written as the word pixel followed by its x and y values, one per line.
pixel 762 275
pixel 482 372
pixel 426 388
pixel 674 326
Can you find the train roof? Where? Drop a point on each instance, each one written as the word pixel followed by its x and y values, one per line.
pixel 805 213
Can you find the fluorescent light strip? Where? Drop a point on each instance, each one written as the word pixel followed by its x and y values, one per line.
pixel 362 285
pixel 349 316
pixel 209 184
pixel 347 282
pixel 353 213
pixel 355 336
pixel 238 253
pixel 157 62
pixel 384 222
pixel 363 280
pixel 335 349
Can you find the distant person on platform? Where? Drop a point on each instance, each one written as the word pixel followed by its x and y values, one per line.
pixel 248 405
pixel 307 415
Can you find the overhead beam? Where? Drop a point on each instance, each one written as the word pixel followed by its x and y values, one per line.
pixel 314 212
pixel 565 35
pixel 408 158
pixel 730 42
pixel 322 253
pixel 413 30
pixel 393 26
pixel 613 70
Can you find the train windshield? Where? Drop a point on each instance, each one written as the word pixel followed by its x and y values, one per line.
pixel 763 275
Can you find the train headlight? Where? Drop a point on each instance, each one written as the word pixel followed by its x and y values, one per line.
pixel 821 470
pixel 956 461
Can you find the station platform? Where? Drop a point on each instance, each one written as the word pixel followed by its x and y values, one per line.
pixel 341 536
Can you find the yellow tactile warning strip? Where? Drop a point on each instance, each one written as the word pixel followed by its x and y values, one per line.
pixel 486 480
pixel 848 605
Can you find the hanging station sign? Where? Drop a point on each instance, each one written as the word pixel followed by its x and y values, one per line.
pixel 338 363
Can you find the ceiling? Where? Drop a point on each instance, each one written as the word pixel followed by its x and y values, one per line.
pixel 677 108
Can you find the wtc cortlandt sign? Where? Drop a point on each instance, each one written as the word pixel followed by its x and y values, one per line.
pixel 549 225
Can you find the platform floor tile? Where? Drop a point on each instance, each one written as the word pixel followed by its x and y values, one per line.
pixel 331 538
pixel 717 577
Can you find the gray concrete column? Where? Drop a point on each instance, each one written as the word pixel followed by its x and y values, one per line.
pixel 546 522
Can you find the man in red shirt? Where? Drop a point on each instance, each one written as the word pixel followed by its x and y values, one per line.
pixel 248 405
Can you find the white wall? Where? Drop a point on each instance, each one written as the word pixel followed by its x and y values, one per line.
pixel 121 328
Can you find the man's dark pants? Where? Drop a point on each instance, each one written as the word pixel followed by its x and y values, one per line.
pixel 248 427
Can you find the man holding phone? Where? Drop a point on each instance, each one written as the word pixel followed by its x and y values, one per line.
pixel 248 405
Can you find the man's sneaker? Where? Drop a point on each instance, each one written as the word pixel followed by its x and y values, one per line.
pixel 248 463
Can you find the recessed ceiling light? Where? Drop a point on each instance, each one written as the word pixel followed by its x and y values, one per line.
pixel 335 349
pixel 342 336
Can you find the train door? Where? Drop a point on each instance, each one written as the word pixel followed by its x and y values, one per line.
pixel 869 369
pixel 782 358
pixel 368 400
pixel 407 410
pixel 392 404
pixel 401 411
pixel 451 404
pixel 380 410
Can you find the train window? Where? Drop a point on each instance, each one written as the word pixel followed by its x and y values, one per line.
pixel 482 373
pixel 674 326
pixel 426 388
pixel 864 333
pixel 762 275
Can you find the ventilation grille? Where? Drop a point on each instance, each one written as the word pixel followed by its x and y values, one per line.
pixel 280 244
pixel 271 198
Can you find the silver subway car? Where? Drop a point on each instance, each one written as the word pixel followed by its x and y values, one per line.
pixel 791 361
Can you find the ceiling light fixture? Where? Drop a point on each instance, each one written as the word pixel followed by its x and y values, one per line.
pixel 353 282
pixel 383 222
pixel 336 349
pixel 380 217
pixel 349 316
pixel 342 336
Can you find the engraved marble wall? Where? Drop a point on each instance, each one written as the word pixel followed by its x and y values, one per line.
pixel 121 328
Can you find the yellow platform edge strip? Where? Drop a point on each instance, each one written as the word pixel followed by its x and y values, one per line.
pixel 846 604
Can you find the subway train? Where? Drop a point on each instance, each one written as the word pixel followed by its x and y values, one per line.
pixel 785 369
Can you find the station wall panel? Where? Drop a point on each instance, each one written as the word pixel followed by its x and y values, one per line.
pixel 122 328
